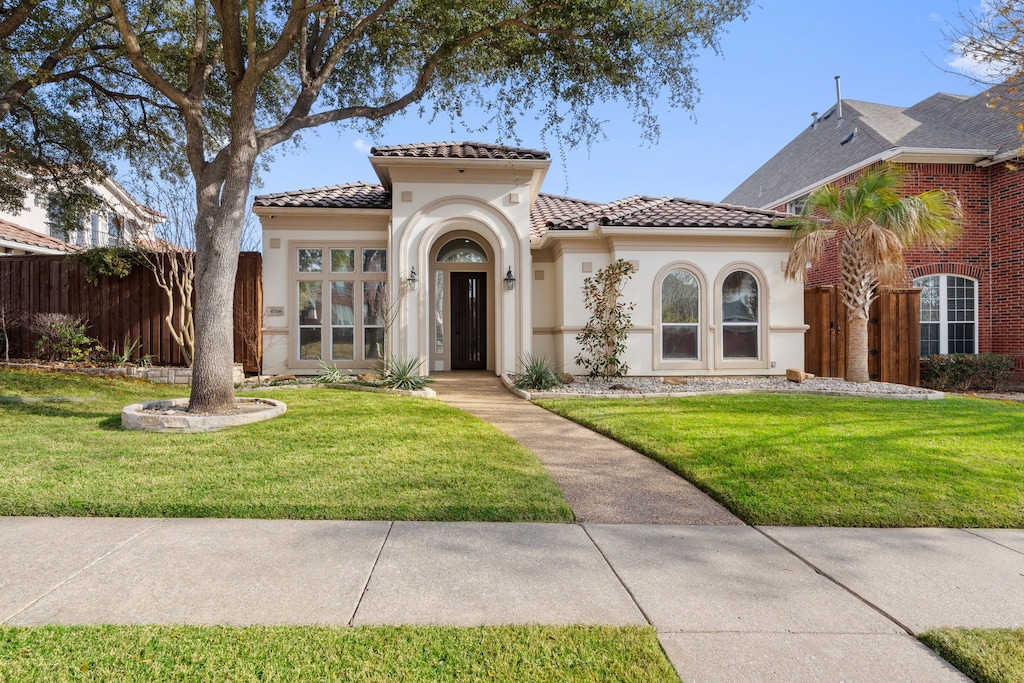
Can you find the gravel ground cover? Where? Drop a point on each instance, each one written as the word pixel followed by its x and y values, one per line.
pixel 625 386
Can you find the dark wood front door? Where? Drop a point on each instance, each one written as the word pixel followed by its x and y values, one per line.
pixel 469 321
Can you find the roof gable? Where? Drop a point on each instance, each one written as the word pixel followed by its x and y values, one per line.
pixel 941 123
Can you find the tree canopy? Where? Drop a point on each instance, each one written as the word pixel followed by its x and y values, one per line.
pixel 238 78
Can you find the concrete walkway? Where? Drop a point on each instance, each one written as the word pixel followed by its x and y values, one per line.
pixel 730 603
pixel 602 480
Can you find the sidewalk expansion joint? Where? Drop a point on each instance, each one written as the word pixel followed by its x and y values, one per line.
pixel 369 575
pixel 985 538
pixel 60 584
pixel 632 597
pixel 909 631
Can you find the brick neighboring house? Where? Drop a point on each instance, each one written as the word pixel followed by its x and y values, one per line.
pixel 972 291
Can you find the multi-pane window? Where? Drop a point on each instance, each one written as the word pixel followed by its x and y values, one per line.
pixel 740 316
pixel 353 281
pixel 680 316
pixel 949 322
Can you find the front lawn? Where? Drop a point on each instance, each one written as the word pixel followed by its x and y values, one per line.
pixel 334 455
pixel 401 654
pixel 827 461
pixel 986 655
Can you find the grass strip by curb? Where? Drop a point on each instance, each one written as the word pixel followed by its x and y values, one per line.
pixel 58 654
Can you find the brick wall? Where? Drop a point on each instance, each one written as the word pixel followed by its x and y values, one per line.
pixel 990 248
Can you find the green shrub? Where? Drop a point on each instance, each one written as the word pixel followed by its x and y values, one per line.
pixel 538 374
pixel 62 337
pixel 117 262
pixel 964 371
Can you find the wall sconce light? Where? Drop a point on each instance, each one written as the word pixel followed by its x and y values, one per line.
pixel 412 280
pixel 510 279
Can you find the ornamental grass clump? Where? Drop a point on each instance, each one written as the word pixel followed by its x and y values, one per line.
pixel 538 374
pixel 403 374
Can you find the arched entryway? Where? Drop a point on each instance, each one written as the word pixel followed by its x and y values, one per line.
pixel 462 290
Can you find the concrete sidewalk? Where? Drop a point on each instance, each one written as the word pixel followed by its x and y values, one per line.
pixel 602 480
pixel 730 603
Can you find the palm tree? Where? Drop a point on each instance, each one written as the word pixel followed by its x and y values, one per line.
pixel 877 224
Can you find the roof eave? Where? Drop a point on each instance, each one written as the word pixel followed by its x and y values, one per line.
pixel 382 164
pixel 749 233
pixel 896 154
pixel 271 211
pixel 31 248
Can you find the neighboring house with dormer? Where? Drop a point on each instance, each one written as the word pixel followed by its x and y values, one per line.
pixel 457 259
pixel 972 298
pixel 121 218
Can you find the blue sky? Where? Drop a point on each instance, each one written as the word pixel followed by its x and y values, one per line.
pixel 775 69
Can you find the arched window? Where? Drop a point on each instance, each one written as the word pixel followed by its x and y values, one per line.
pixel 462 250
pixel 680 316
pixel 740 316
pixel 949 318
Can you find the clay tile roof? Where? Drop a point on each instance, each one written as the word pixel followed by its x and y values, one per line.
pixel 550 208
pixel 459 150
pixel 669 212
pixel 16 233
pixel 349 196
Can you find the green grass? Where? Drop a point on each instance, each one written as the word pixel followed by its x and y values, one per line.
pixel 827 461
pixel 334 455
pixel 407 654
pixel 986 655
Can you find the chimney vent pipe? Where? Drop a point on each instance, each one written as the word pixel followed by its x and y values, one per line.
pixel 839 101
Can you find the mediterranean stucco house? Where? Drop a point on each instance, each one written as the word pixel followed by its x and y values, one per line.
pixel 458 259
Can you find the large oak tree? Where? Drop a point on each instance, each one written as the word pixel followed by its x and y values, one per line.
pixel 244 76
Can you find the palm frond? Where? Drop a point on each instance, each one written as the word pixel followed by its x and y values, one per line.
pixel 806 251
pixel 929 219
pixel 885 250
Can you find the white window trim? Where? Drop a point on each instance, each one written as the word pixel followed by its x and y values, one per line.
pixel 704 339
pixel 763 361
pixel 325 277
pixel 944 321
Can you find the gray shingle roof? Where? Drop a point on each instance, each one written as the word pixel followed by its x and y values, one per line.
pixel 349 196
pixel 940 122
pixel 669 212
pixel 459 150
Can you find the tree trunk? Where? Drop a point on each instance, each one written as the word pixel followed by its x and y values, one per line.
pixel 858 279
pixel 219 220
pixel 857 349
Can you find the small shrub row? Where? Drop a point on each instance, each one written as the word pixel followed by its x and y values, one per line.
pixel 964 371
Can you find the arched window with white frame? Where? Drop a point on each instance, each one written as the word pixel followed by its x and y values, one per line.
pixel 741 316
pixel 680 316
pixel 949 314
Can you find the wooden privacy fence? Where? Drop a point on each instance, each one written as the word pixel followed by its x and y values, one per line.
pixel 116 308
pixel 894 335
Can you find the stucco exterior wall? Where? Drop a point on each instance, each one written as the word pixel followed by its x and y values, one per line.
pixel 711 258
pixel 284 230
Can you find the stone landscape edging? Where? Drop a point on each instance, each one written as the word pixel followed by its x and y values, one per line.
pixel 135 417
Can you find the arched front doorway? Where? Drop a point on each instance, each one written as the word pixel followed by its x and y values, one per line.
pixel 461 303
